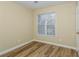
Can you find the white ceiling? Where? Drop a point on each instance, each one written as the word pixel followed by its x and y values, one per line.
pixel 40 4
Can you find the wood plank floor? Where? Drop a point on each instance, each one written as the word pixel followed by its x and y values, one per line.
pixel 38 49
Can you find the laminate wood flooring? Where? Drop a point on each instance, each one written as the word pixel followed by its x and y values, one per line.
pixel 38 49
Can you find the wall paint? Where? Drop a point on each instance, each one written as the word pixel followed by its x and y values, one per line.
pixel 15 25
pixel 65 24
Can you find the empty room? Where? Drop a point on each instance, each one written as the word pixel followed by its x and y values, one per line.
pixel 39 28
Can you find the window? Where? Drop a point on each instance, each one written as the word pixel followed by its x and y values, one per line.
pixel 46 24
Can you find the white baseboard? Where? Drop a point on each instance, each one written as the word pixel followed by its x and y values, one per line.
pixel 56 44
pixel 13 48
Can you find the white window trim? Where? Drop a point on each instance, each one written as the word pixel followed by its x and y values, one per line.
pixel 45 26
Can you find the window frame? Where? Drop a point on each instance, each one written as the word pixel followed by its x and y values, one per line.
pixel 46 24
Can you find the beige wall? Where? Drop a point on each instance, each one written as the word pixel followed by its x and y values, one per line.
pixel 65 24
pixel 15 25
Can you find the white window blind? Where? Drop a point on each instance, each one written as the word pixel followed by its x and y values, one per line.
pixel 46 24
